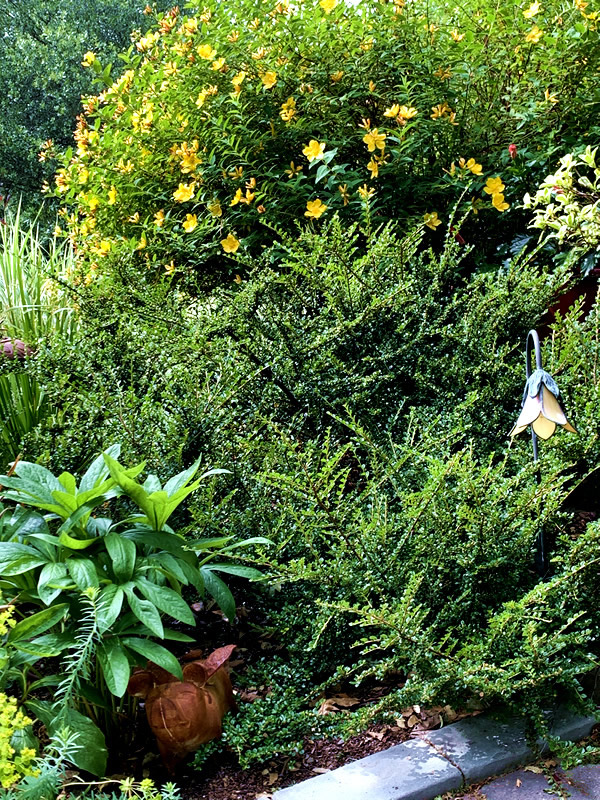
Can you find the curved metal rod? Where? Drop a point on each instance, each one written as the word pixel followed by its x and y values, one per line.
pixel 533 339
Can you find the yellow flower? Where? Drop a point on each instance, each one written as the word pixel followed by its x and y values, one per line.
pixel 343 190
pixel 314 150
pixel 366 191
pixel 236 198
pixel 259 54
pixel 315 208
pixel 159 218
pixel 406 113
pixel 371 86
pixel 337 76
pixel 184 192
pixel 288 109
pixel 170 268
pixel 238 79
pixel 443 73
pixel 458 37
pixel 112 196
pixel 440 110
pixel 393 111
pixel 83 176
pixel 230 244
pixel 218 64
pixel 293 170
pixel 269 79
pixel 206 51
pixel 550 98
pixel 233 36
pixel 498 202
pixel 255 24
pixel 534 35
pixel 474 166
pixel 88 59
pixel 135 218
pixel 215 208
pixel 374 139
pixel 328 5
pixel 431 220
pixel 237 173
pixel 533 9
pixel 373 166
pixel 191 221
pixel 104 248
pixel 493 186
pixel 189 162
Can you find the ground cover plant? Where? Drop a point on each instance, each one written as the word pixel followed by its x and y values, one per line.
pixel 332 343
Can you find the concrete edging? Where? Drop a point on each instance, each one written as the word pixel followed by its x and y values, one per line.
pixel 437 761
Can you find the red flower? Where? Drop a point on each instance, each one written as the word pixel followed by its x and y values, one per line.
pixel 512 150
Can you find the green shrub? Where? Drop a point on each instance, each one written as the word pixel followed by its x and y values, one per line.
pixel 299 110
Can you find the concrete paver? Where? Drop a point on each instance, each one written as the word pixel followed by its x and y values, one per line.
pixel 409 771
pixel 583 783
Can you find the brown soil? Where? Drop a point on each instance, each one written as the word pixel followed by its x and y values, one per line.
pixel 224 780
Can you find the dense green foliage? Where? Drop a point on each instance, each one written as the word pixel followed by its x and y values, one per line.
pixel 42 44
pixel 350 369
pixel 299 110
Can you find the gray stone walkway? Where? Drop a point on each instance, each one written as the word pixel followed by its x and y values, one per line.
pixel 448 760
pixel 582 783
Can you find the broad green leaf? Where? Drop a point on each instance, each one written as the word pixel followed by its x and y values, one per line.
pixel 110 602
pixel 137 493
pixel 97 472
pixel 66 500
pixel 81 512
pixel 92 754
pixel 37 623
pixel 69 482
pixel 122 552
pixel 160 540
pixel 152 484
pixel 166 600
pixel 240 570
pixel 247 542
pixel 17 558
pixel 213 543
pixel 146 612
pixel 154 652
pixel 115 666
pixel 177 636
pixel 51 582
pixel 49 645
pixel 168 563
pixel 178 481
pixel 83 572
pixel 220 591
pixel 75 544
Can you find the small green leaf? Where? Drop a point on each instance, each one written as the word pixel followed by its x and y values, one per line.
pixel 83 572
pixel 122 552
pixel 37 623
pixel 167 600
pixel 220 591
pixel 154 652
pixel 115 666
pixel 146 612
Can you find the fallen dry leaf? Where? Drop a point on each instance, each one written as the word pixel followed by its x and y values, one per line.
pixel 518 783
pixel 537 770
pixel 321 770
pixel 376 735
pixel 337 703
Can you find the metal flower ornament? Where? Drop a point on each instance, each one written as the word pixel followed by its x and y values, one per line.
pixel 542 411
pixel 540 407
